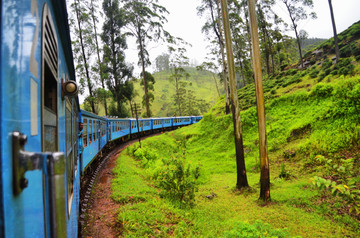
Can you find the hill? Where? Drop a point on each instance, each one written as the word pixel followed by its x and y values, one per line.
pixel 200 82
pixel 313 133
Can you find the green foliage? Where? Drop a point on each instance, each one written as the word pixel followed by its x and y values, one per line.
pixel 178 181
pixel 256 230
pixel 322 90
pixel 350 194
pixel 284 173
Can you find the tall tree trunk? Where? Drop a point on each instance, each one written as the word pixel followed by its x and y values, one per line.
pixel 240 158
pixel 91 93
pixel 98 54
pixel 217 88
pixel 264 160
pixel 336 40
pixel 221 43
pixel 142 58
pixel 296 34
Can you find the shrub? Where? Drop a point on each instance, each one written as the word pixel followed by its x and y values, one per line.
pixel 145 155
pixel 314 73
pixel 322 90
pixel 178 181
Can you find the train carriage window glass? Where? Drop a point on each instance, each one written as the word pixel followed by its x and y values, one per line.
pixel 90 131
pixel 75 134
pixel 85 132
pixel 69 150
pixel 94 130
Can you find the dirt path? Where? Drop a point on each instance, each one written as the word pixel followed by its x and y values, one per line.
pixel 101 213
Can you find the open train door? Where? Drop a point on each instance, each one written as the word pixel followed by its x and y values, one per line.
pixel 28 173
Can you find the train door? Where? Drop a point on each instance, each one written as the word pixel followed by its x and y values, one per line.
pixel 54 180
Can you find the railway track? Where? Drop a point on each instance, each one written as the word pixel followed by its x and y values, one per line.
pixel 92 174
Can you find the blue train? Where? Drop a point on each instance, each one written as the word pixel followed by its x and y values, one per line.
pixel 40 160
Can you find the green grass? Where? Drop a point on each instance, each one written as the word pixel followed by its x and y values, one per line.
pixel 322 119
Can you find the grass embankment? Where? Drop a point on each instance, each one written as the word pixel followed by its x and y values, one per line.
pixel 313 130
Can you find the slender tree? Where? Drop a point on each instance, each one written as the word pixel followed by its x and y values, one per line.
pixel 145 20
pixel 98 69
pixel 118 73
pixel 150 81
pixel 240 158
pixel 213 26
pixel 209 66
pixel 177 74
pixel 264 160
pixel 82 48
pixel 336 40
pixel 297 13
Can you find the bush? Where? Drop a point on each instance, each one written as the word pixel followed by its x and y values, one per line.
pixel 314 73
pixel 178 181
pixel 145 155
pixel 322 90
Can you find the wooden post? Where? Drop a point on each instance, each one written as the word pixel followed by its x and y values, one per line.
pixel 234 101
pixel 264 160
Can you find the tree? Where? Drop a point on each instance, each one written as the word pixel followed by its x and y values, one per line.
pixel 209 66
pixel 213 25
pixel 177 74
pixel 145 20
pixel 336 40
pixel 83 48
pixel 239 147
pixel 264 160
pixel 99 68
pixel 149 80
pixel 297 13
pixel 162 62
pixel 118 73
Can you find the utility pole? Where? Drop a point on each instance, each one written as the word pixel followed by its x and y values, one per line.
pixel 234 101
pixel 264 160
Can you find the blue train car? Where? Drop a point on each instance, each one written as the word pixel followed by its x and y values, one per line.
pixel 119 128
pixel 40 177
pixel 94 137
pixel 181 121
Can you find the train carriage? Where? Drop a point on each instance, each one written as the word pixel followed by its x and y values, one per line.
pixel 46 140
pixel 119 128
pixel 94 137
pixel 39 157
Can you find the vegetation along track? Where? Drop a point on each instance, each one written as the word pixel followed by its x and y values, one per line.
pixel 97 172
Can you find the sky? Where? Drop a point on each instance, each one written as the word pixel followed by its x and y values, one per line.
pixel 184 22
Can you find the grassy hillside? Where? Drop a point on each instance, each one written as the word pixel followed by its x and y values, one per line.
pixel 306 127
pixel 186 178
pixel 201 82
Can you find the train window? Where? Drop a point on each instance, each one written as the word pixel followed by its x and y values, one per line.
pixel 85 132
pixel 75 134
pixel 69 149
pixel 95 130
pixel 90 131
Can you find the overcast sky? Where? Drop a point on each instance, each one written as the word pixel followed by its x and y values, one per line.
pixel 184 22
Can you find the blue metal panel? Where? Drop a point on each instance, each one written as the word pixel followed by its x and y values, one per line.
pixel 1 101
pixel 24 213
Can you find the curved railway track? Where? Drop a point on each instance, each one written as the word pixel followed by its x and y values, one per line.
pixel 92 176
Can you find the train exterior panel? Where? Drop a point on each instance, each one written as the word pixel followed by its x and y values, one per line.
pixel 43 152
pixel 93 136
pixel 39 184
pixel 119 128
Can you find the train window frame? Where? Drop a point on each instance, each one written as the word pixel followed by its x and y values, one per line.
pixel 90 131
pixel 85 131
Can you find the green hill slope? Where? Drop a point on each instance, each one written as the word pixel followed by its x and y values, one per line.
pixel 313 131
pixel 201 82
